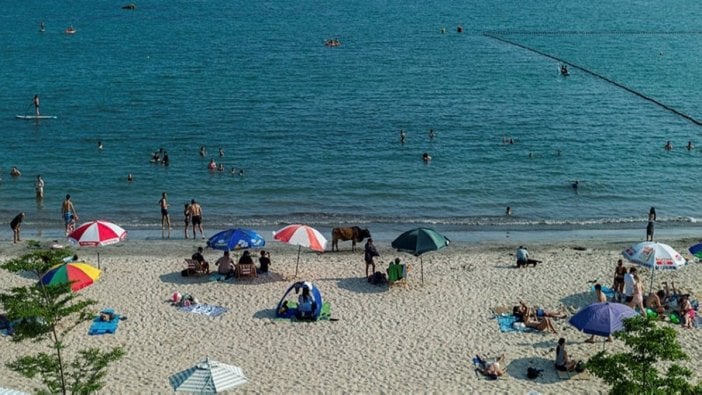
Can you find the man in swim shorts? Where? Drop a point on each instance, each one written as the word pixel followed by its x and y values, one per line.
pixel 165 218
pixel 196 217
pixel 68 211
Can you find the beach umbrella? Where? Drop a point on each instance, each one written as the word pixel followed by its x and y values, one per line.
pixel 654 255
pixel 79 274
pixel 602 319
pixel 7 391
pixel 236 239
pixel 696 250
pixel 208 377
pixel 301 236
pixel 97 233
pixel 418 241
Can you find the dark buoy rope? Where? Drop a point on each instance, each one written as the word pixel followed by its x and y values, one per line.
pixel 594 74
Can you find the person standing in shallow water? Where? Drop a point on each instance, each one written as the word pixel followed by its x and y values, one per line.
pixel 651 222
pixel 165 218
pixel 39 187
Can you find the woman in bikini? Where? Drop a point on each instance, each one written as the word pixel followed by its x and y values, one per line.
pixel 618 285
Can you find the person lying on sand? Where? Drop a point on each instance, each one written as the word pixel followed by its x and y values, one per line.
pixel 531 320
pixel 523 310
pixel 491 367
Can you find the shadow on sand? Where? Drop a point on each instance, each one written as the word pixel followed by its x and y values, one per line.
pixel 517 369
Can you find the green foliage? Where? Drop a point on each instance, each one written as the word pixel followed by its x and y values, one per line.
pixel 37 262
pixel 635 372
pixel 41 312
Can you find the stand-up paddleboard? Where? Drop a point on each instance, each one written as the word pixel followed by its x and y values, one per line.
pixel 36 116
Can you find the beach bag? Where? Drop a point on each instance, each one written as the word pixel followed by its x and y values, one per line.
pixel 533 373
pixel 580 367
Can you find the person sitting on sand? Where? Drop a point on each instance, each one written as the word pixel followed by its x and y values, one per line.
pixel 200 259
pixel 225 265
pixel 264 261
pixel 523 257
pixel 305 303
pixel 246 258
pixel 563 362
pixel 654 302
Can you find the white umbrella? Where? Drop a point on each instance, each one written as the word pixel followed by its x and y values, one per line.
pixel 208 377
pixel 655 256
pixel 7 391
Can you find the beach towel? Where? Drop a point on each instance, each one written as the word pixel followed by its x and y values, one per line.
pixel 100 327
pixel 219 277
pixel 506 322
pixel 205 309
pixel 609 292
pixel 324 314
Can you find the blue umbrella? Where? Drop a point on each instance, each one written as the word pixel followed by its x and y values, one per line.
pixel 236 239
pixel 602 319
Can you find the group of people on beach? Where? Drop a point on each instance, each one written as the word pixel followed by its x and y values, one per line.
pixel 226 265
pixel 192 215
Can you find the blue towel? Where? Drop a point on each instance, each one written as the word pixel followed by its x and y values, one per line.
pixel 100 327
pixel 506 322
pixel 609 292
pixel 205 309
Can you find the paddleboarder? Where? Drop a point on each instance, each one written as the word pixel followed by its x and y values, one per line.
pixel 35 101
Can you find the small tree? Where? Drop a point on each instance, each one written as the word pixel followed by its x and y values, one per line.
pixel 49 313
pixel 635 372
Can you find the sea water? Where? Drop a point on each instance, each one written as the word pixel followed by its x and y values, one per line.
pixel 316 129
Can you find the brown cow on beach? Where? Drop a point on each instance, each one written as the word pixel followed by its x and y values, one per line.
pixel 354 233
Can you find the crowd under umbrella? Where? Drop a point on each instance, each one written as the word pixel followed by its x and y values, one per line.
pixel 208 377
pixel 301 236
pixel 236 239
pixel 655 256
pixel 96 234
pixel 418 241
pixel 602 319
pixel 79 274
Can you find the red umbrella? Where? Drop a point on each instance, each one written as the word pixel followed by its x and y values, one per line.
pixel 97 233
pixel 301 236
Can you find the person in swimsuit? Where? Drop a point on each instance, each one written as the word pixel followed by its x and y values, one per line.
pixel 618 284
pixel 186 214
pixel 165 218
pixel 35 101
pixel 39 187
pixel 637 299
pixel 196 217
pixel 15 225
pixel 68 211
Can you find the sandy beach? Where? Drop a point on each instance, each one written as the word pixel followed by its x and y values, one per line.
pixel 386 340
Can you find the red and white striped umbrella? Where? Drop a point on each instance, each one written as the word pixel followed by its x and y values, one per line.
pixel 301 236
pixel 97 233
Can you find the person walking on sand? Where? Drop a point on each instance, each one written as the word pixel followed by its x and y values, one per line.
pixel 370 252
pixel 39 187
pixel 165 218
pixel 35 102
pixel 68 211
pixel 196 218
pixel 15 225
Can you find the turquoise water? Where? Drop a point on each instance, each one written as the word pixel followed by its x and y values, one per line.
pixel 316 129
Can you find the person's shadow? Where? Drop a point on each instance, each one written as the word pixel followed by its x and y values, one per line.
pixel 517 369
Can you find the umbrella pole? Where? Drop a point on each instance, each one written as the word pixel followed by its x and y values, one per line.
pixel 298 260
pixel 653 270
pixel 98 253
pixel 421 268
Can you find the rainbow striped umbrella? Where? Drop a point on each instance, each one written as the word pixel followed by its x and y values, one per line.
pixel 79 274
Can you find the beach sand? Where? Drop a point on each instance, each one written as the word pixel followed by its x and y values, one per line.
pixel 400 340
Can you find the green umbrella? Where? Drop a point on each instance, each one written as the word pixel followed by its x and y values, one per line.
pixel 418 241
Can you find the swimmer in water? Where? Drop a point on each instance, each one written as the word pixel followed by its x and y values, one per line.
pixel 426 158
pixel 431 134
pixel 668 146
pixel 402 136
pixel 575 184
pixel 100 145
pixel 508 211
pixel 690 146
